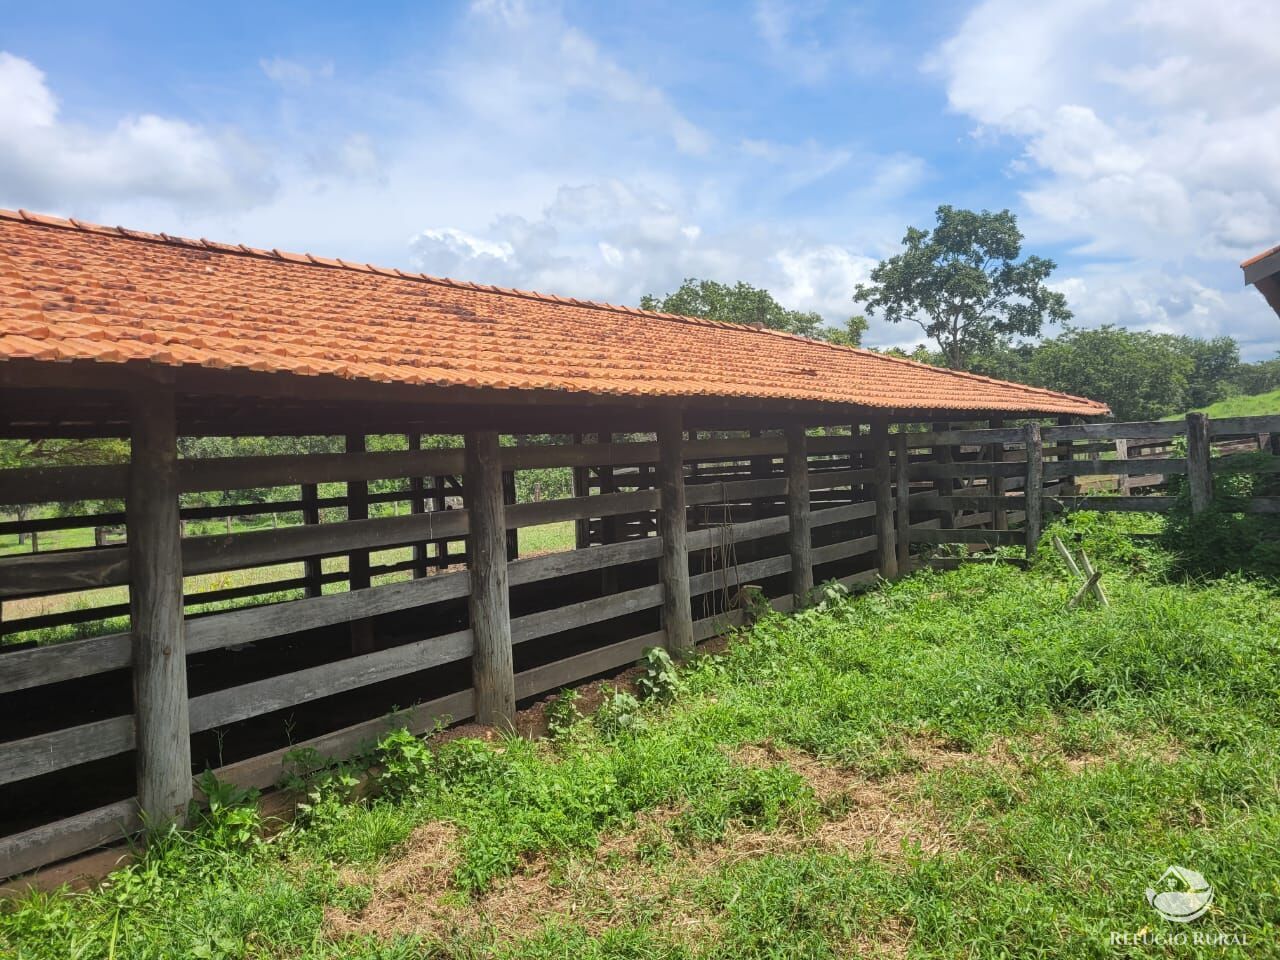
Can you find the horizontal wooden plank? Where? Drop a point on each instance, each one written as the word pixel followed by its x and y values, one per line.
pixel 830 479
pixel 945 471
pixel 1136 430
pixel 562 673
pixel 1231 426
pixel 978 436
pixel 1128 468
pixel 551 565
pixel 842 514
pixel 570 616
pixel 302 686
pixel 579 508
pixel 278 619
pixel 734 491
pixel 542 456
pixel 1111 504
pixel 46 752
pixel 935 501
pixel 844 549
pixel 739 575
pixel 50 842
pixel 737 532
pixel 990 537
pixel 29 574
pixel 36 666
pixel 1267 464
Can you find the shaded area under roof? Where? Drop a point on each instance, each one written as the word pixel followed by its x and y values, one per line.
pixel 1263 271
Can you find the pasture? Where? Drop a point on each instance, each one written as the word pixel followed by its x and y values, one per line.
pixel 954 764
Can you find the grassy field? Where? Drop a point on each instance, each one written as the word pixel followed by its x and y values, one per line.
pixel 954 765
pixel 1257 405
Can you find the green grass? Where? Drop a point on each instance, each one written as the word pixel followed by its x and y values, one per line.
pixel 1258 405
pixel 1085 750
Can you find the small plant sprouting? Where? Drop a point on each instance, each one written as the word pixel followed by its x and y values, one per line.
pixel 619 713
pixel 407 763
pixel 661 678
pixel 232 816
pixel 562 714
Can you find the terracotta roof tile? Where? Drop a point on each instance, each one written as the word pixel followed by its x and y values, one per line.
pixel 76 291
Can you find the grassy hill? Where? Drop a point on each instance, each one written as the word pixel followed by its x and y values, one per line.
pixel 1252 406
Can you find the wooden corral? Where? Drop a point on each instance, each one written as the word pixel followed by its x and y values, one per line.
pixel 704 457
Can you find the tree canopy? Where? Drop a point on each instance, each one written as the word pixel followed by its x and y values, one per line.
pixel 743 303
pixel 963 284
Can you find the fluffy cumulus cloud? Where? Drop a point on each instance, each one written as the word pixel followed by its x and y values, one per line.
pixel 614 241
pixel 53 164
pixel 1150 133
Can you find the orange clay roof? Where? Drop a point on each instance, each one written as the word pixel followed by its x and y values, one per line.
pixel 75 291
pixel 1260 256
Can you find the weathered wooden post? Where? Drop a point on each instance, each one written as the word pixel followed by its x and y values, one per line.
pixel 357 509
pixel 1199 477
pixel 162 722
pixel 944 486
pixel 581 488
pixel 509 499
pixel 902 494
pixel 418 504
pixel 312 570
pixel 886 539
pixel 1033 493
pixel 1123 481
pixel 492 669
pixel 799 540
pixel 995 453
pixel 673 566
pixel 358 578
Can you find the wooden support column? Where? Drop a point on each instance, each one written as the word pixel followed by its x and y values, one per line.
pixel 673 565
pixel 439 491
pixel 492 670
pixel 312 569
pixel 799 540
pixel 581 488
pixel 1065 452
pixel 608 525
pixel 357 509
pixel 945 487
pixel 509 499
pixel 1034 490
pixel 886 535
pixel 902 494
pixel 418 504
pixel 362 636
pixel 1199 452
pixel 162 723
pixel 1123 481
pixel 995 453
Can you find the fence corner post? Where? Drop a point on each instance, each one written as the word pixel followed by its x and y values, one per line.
pixel 492 663
pixel 1033 492
pixel 799 539
pixel 1199 476
pixel 886 535
pixel 673 567
pixel 162 719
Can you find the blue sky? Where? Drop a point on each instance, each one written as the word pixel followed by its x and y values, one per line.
pixel 608 150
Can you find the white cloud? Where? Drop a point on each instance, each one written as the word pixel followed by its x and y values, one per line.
pixel 1151 133
pixel 292 73
pixel 48 163
pixel 811 41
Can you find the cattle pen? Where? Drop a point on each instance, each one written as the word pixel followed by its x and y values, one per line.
pixel 704 457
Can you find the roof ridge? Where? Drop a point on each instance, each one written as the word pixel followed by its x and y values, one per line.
pixel 308 259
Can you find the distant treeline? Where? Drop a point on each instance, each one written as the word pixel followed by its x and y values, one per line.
pixel 1142 375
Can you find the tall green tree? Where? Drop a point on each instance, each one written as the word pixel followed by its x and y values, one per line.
pixel 964 286
pixel 740 303
pixel 1140 375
